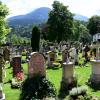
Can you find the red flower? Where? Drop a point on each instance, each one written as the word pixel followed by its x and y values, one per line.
pixel 20 76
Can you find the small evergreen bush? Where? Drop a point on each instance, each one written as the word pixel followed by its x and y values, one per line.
pixel 35 40
pixel 37 87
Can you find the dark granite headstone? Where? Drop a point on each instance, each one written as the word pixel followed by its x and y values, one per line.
pixel 16 63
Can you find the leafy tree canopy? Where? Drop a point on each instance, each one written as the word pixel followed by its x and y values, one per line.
pixel 60 22
pixel 94 25
pixel 4 29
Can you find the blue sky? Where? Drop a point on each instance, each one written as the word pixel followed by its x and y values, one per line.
pixel 84 7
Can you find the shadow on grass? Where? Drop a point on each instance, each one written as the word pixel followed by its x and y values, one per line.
pixel 11 73
pixel 94 86
pixel 62 95
pixel 9 81
pixel 53 68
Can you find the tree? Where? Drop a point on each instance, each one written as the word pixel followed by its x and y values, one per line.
pixel 94 25
pixel 4 29
pixel 84 36
pixel 80 32
pixel 35 40
pixel 60 22
pixel 76 30
pixel 18 40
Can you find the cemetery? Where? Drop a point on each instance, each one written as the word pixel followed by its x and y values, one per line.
pixel 66 78
pixel 59 61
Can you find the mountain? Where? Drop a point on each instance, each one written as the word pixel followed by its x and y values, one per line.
pixel 37 16
pixel 81 17
pixel 23 24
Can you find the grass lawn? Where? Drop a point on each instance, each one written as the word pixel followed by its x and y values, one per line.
pixel 54 75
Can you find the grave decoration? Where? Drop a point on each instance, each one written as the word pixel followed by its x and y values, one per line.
pixel 18 75
pixel 95 75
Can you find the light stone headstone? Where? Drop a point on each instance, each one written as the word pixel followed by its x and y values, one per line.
pixel 37 64
pixel 2 62
pixel 67 76
pixel 51 58
pixel 95 75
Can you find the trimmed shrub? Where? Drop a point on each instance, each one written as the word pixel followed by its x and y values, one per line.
pixel 37 87
pixel 35 40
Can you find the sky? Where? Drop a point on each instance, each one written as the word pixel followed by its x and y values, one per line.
pixel 84 7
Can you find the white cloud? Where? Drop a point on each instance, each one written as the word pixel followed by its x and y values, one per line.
pixel 84 7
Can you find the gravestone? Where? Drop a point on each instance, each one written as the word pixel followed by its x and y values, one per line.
pixel 16 64
pixel 51 58
pixel 37 64
pixel 6 54
pixel 2 62
pixel 1 50
pixel 95 75
pixel 68 80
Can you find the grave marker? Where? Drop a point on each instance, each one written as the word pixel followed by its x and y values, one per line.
pixel 51 58
pixel 95 75
pixel 6 54
pixel 16 63
pixel 37 64
pixel 2 62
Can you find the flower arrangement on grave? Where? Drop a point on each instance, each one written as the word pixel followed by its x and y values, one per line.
pixel 20 76
pixel 17 80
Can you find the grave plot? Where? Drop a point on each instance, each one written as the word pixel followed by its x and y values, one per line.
pixel 18 75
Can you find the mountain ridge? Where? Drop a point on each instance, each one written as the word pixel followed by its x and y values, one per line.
pixel 37 16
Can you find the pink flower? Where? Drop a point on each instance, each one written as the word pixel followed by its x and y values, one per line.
pixel 20 76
